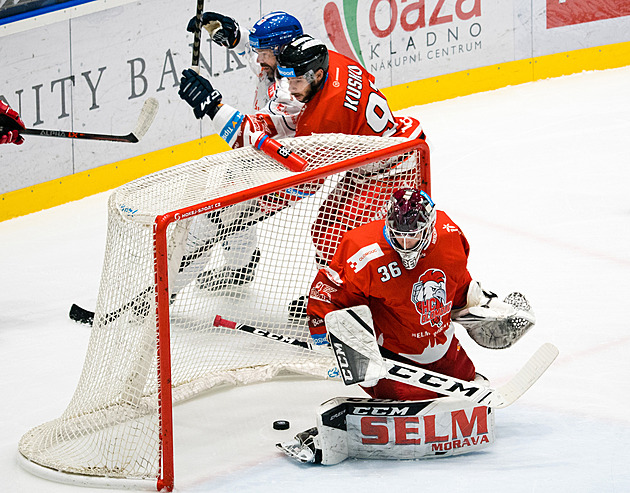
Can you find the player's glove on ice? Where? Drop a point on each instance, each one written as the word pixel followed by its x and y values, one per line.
pixel 10 125
pixel 199 94
pixel 228 35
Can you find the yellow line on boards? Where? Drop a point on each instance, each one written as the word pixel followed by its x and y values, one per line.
pixel 107 177
pixel 492 77
pixel 448 86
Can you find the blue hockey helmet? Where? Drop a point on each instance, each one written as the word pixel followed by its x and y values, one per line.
pixel 274 30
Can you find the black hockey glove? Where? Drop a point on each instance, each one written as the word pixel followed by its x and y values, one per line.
pixel 199 94
pixel 228 34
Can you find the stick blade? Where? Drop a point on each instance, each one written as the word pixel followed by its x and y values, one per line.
pixel 147 115
pixel 81 315
pixel 528 375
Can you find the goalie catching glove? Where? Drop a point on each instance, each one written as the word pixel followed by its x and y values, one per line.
pixel 492 323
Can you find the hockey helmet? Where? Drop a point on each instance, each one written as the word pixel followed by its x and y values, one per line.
pixel 273 31
pixel 303 57
pixel 410 223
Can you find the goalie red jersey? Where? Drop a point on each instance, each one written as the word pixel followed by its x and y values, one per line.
pixel 348 102
pixel 411 308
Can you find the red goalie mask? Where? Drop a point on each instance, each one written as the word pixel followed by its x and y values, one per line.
pixel 410 222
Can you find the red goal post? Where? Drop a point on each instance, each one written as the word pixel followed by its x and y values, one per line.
pixel 200 215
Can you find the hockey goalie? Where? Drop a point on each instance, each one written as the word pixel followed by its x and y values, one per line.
pixel 389 304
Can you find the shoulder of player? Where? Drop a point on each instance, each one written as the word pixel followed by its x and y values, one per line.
pixel 361 245
pixel 341 68
pixel 445 225
pixel 366 232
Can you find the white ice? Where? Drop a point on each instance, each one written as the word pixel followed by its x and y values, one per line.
pixel 536 175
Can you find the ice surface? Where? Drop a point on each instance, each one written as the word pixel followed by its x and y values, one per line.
pixel 536 175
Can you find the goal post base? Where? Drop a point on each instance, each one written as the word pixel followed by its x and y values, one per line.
pixel 84 480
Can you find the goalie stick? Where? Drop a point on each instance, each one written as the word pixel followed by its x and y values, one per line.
pixel 222 322
pixel 147 115
pixel 416 376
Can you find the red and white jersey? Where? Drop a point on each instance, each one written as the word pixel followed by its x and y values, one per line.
pixel 276 113
pixel 274 99
pixel 348 102
pixel 411 309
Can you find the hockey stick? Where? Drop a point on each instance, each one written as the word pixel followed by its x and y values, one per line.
pixel 197 39
pixel 139 305
pixel 352 362
pixel 147 115
pixel 81 315
pixel 354 343
pixel 222 322
pixel 501 397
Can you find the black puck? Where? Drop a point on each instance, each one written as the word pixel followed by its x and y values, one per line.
pixel 281 424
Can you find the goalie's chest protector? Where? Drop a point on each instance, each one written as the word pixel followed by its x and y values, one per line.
pixel 411 308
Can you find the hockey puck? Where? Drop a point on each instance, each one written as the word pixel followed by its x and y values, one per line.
pixel 281 424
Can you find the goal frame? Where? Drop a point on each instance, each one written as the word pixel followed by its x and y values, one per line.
pixel 118 429
pixel 166 480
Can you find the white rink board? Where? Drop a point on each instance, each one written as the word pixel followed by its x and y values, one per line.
pixel 91 69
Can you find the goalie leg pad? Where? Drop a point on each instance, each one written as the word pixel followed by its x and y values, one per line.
pixel 417 429
pixel 385 429
pixel 399 430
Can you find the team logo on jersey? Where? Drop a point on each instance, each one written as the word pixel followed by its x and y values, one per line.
pixel 429 297
pixel 363 256
pixel 322 292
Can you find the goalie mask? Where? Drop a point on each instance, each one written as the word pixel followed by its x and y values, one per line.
pixel 410 223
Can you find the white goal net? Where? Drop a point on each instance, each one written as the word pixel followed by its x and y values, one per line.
pixel 207 268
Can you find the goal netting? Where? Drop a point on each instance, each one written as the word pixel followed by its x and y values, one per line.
pixel 233 235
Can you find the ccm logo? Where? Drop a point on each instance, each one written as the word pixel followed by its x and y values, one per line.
pixel 346 373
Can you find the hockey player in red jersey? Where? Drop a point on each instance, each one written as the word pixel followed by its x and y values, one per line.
pixel 10 125
pixel 340 97
pixel 402 283
pixel 410 269
pixel 339 94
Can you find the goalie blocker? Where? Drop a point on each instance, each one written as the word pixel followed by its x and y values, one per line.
pixel 386 429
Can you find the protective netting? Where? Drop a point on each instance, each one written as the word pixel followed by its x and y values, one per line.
pixel 251 263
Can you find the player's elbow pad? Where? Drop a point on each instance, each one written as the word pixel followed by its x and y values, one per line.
pixel 227 123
